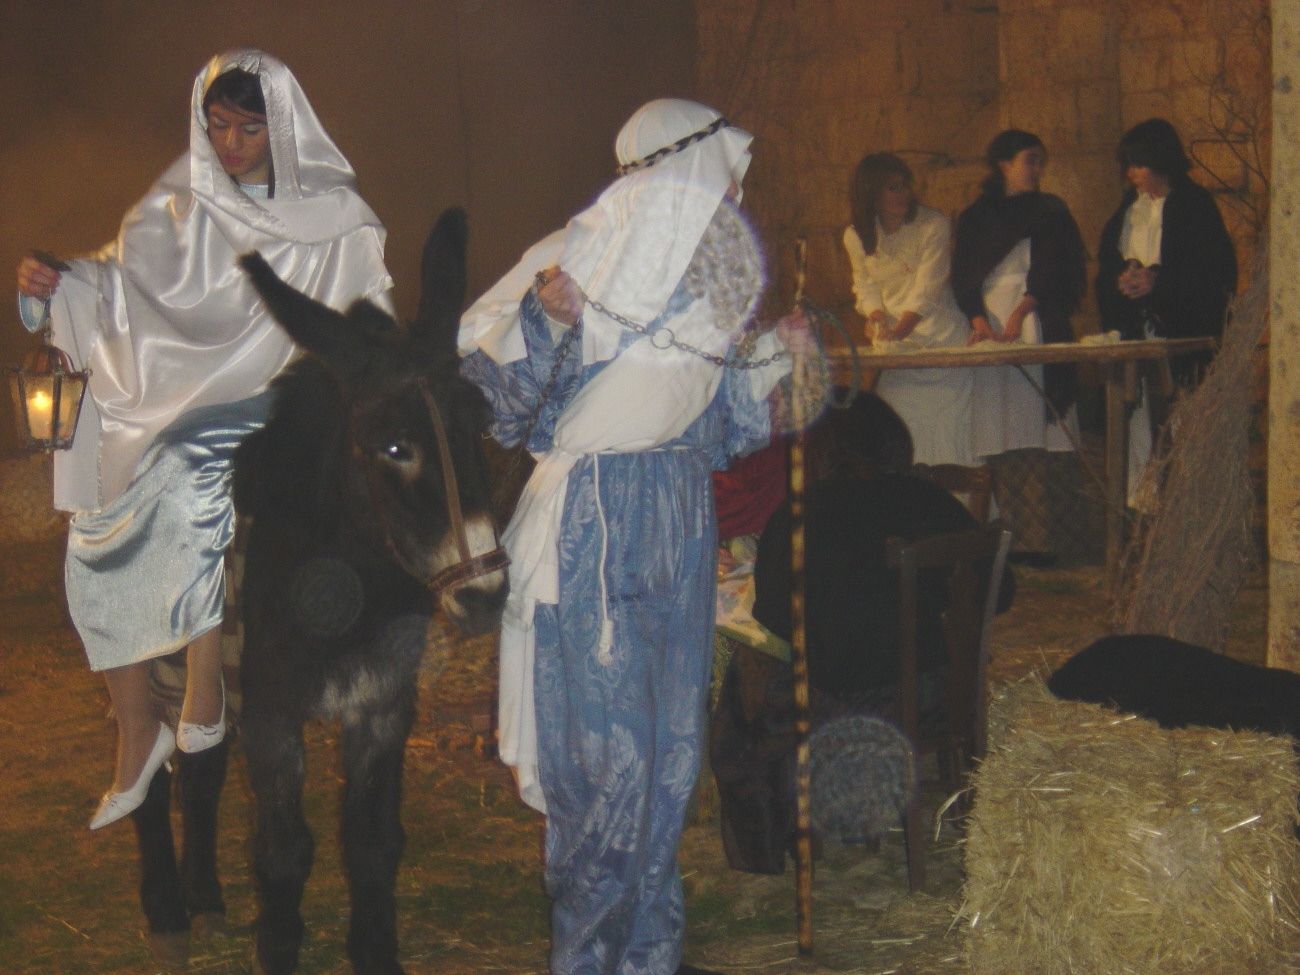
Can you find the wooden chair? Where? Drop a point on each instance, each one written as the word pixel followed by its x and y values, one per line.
pixel 971 563
pixel 973 486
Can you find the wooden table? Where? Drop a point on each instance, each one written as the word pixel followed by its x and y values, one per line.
pixel 1117 361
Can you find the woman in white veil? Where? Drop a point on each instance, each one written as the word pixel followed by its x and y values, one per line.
pixel 181 352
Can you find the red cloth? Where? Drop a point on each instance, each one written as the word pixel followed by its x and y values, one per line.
pixel 749 491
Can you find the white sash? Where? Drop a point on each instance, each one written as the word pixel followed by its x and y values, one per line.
pixel 644 398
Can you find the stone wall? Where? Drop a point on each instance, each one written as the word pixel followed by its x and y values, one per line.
pixel 822 82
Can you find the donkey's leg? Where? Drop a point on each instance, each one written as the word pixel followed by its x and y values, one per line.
pixel 160 883
pixel 201 777
pixel 373 747
pixel 161 892
pixel 282 843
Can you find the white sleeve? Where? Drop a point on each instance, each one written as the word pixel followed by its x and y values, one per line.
pixel 865 290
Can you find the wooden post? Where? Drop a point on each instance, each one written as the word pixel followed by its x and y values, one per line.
pixel 803 866
pixel 1116 467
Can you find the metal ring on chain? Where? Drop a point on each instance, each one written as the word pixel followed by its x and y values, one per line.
pixel 667 335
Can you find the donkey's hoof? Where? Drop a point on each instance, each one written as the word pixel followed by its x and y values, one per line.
pixel 170 950
pixel 208 925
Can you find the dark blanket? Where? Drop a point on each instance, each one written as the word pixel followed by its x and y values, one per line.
pixel 1178 684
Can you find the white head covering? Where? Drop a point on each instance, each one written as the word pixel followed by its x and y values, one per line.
pixel 166 320
pixel 630 248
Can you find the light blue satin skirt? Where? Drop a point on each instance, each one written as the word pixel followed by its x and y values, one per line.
pixel 145 575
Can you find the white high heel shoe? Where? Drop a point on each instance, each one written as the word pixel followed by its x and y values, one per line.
pixel 114 805
pixel 191 738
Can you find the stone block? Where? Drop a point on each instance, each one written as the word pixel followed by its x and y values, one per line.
pixel 1139 105
pixel 1146 20
pixel 954 52
pixel 1195 61
pixel 1097 110
pixel 1143 66
pixel 1023 39
pixel 959 125
pixel 1083 49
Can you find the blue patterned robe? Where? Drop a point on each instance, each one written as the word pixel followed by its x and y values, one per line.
pixel 619 744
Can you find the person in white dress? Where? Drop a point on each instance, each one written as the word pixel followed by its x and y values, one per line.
pixel 899 253
pixel 1018 273
pixel 181 352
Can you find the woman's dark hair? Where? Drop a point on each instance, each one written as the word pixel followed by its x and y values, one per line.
pixel 1006 145
pixel 868 183
pixel 1154 143
pixel 237 88
pixel 862 440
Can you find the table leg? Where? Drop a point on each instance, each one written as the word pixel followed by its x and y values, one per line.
pixel 1116 464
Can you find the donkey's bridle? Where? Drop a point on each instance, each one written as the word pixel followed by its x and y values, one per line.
pixel 470 566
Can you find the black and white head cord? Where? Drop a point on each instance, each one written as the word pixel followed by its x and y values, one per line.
pixel 687 140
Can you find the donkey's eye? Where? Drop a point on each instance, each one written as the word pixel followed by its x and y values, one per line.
pixel 399 452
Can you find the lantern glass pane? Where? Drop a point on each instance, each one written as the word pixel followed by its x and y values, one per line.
pixel 69 406
pixel 39 393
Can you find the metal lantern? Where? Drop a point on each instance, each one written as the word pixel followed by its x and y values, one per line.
pixel 47 394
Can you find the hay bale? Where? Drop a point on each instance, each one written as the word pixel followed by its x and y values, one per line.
pixel 1100 842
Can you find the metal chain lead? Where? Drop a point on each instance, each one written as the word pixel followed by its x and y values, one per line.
pixel 738 360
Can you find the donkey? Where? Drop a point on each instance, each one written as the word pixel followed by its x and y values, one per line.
pixel 368 493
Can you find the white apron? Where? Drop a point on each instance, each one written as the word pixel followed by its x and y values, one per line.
pixel 1007 411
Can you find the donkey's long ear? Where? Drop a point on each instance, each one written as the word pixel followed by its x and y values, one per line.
pixel 316 327
pixel 442 280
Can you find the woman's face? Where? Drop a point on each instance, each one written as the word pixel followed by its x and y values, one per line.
pixel 1146 180
pixel 1023 172
pixel 241 141
pixel 896 199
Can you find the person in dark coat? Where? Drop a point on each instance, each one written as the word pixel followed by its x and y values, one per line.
pixel 1166 265
pixel 860 496
pixel 1018 272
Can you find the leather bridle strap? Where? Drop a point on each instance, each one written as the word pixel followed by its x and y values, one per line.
pixel 470 566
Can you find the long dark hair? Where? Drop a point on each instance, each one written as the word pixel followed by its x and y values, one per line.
pixel 1154 143
pixel 864 193
pixel 1004 147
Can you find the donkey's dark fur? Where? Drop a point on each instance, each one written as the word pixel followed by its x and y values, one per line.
pixel 350 521
pixel 171 891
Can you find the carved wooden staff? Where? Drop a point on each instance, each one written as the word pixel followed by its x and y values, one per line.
pixel 803 865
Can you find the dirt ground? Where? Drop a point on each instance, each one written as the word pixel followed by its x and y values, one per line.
pixel 469 894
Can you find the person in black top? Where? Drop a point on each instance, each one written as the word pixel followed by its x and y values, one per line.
pixel 860 495
pixel 1166 265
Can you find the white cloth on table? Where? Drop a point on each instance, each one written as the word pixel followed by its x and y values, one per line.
pixel 1008 413
pixel 910 272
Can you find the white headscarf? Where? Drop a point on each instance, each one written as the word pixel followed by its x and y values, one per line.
pixel 163 316
pixel 630 248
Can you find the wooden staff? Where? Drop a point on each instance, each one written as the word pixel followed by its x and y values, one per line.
pixel 803 865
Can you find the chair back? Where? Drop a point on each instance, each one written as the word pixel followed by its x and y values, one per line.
pixel 971 564
pixel 973 486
